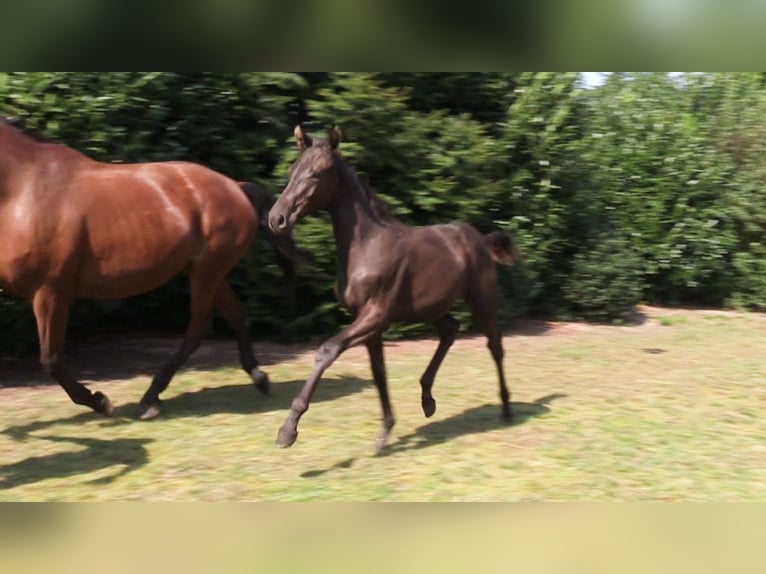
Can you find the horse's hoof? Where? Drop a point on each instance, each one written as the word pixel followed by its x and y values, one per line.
pixel 103 404
pixel 507 416
pixel 148 411
pixel 260 380
pixel 286 437
pixel 380 442
pixel 429 407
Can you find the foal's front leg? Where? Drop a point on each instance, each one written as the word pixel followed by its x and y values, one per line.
pixel 368 323
pixel 375 350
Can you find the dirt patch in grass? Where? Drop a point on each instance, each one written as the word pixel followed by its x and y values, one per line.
pixel 125 356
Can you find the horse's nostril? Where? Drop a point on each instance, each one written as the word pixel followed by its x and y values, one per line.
pixel 277 222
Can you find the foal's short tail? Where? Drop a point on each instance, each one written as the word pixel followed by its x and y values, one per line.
pixel 501 247
pixel 288 256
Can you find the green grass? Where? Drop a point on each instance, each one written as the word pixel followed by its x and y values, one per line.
pixel 669 410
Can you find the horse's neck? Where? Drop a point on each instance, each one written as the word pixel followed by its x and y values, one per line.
pixel 11 156
pixel 353 218
pixel 10 150
pixel 17 149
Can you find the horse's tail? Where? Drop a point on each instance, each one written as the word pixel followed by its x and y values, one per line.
pixel 501 247
pixel 288 256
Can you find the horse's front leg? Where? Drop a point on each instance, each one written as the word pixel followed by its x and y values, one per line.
pixel 51 309
pixel 377 363
pixel 369 323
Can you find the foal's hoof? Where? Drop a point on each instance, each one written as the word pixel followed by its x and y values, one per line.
pixel 286 437
pixel 260 380
pixel 429 407
pixel 380 442
pixel 148 411
pixel 507 415
pixel 103 404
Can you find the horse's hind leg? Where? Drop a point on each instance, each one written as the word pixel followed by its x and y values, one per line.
pixel 447 327
pixel 51 310
pixel 236 317
pixel 485 315
pixel 202 287
pixel 375 350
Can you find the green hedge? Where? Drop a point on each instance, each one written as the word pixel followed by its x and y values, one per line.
pixel 648 188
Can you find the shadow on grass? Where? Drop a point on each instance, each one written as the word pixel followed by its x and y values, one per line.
pixel 113 356
pixel 130 453
pixel 472 421
pixel 227 399
pixel 125 454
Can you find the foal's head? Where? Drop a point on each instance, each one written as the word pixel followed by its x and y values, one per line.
pixel 313 180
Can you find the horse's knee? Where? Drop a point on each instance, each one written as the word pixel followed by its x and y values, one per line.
pixel 238 321
pixel 51 363
pixel 496 348
pixel 299 405
pixel 327 352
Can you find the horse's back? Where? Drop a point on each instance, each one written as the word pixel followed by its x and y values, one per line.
pixel 437 265
pixel 147 222
pixel 115 230
pixel 455 245
pixel 182 195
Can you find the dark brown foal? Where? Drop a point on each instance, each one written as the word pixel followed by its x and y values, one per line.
pixel 390 272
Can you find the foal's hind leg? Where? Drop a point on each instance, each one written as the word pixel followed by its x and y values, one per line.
pixel 236 317
pixel 51 311
pixel 447 327
pixel 485 314
pixel 202 291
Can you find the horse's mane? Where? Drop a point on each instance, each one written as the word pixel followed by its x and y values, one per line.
pixel 25 130
pixel 379 207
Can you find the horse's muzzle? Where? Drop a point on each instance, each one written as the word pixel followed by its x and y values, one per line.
pixel 277 222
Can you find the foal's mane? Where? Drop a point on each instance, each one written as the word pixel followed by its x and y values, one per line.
pixel 380 208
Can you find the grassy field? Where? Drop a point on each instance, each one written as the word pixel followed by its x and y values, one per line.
pixel 670 409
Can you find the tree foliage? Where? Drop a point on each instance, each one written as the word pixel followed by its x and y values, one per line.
pixel 650 187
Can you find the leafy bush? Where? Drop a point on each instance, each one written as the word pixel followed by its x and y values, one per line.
pixel 649 187
pixel 606 282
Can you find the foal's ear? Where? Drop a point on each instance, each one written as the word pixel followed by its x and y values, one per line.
pixel 303 139
pixel 334 137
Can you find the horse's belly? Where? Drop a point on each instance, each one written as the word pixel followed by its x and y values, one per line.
pixel 130 274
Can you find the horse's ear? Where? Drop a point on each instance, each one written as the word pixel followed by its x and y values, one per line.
pixel 303 139
pixel 334 137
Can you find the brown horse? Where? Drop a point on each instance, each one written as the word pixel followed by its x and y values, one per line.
pixel 72 227
pixel 389 272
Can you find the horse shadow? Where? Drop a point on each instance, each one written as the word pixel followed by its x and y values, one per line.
pixel 103 356
pixel 476 420
pixel 481 419
pixel 129 454
pixel 126 454
pixel 242 399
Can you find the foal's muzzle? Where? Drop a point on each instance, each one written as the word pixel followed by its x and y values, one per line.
pixel 277 222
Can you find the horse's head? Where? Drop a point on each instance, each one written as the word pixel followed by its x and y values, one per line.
pixel 313 180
